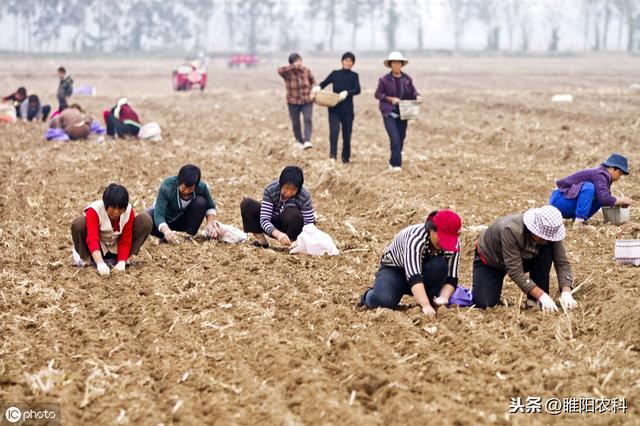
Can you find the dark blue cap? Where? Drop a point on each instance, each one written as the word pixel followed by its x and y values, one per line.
pixel 618 161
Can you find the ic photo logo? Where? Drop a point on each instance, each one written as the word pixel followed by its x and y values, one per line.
pixel 30 414
pixel 13 414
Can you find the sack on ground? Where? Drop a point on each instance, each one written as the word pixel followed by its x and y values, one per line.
pixel 461 297
pixel 314 242
pixel 151 132
pixel 230 234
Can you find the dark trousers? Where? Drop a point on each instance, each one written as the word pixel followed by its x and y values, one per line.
pixel 142 224
pixel 337 119
pixel 189 221
pixel 62 104
pixel 307 112
pixel 116 127
pixel 32 113
pixel 487 281
pixel 397 131
pixel 290 221
pixel 391 283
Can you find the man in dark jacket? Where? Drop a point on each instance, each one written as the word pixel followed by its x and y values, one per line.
pixel 346 83
pixel 183 202
pixel 65 89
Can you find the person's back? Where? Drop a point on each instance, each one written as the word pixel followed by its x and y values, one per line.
pixel 74 123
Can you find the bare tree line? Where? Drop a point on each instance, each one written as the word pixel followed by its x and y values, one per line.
pixel 261 25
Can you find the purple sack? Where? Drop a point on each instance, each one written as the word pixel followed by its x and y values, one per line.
pixel 461 297
pixel 56 134
pixel 95 128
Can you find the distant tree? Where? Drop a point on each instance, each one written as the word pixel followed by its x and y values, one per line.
pixel 417 9
pixel 354 14
pixel 328 10
pixel 201 12
pixel 373 9
pixel 461 11
pixel 629 11
pixel 391 27
pixel 156 23
pixel 254 15
pixel 486 11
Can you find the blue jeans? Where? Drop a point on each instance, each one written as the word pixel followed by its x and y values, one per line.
pixel 583 206
pixel 397 131
pixel 391 283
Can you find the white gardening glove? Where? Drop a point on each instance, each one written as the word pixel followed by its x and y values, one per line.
pixel 547 304
pixel 567 300
pixel 419 99
pixel 316 89
pixel 120 266
pixel 343 95
pixel 103 269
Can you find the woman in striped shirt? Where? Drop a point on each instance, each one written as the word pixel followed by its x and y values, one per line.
pixel 422 260
pixel 286 207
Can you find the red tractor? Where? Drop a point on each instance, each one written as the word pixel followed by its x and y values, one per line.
pixel 190 75
pixel 243 61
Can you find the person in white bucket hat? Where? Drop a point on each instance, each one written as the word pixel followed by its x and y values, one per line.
pixel 520 243
pixel 393 88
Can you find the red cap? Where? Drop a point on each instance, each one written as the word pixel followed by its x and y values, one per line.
pixel 448 224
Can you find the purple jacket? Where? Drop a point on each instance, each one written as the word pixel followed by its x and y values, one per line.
pixel 387 87
pixel 570 186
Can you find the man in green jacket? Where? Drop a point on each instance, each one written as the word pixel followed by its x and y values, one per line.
pixel 183 202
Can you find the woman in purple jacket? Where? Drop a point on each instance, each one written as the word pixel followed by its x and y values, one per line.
pixel 392 88
pixel 580 195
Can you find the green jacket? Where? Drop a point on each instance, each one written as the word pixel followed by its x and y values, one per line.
pixel 167 205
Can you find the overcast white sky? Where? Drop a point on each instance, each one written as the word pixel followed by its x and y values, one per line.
pixel 438 31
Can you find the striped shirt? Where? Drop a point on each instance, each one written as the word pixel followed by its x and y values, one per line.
pixel 273 205
pixel 410 248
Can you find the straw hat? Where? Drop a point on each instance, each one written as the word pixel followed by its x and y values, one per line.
pixel 545 222
pixel 395 56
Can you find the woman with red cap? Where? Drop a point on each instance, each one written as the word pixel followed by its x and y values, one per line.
pixel 422 260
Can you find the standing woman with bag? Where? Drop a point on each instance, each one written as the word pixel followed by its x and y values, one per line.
pixel 347 84
pixel 392 88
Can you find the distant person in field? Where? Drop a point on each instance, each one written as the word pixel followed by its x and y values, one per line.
pixel 580 195
pixel 286 207
pixel 74 121
pixel 518 244
pixel 16 99
pixel 122 120
pixel 183 202
pixel 347 84
pixel 393 88
pixel 298 82
pixel 65 89
pixel 422 260
pixel 32 110
pixel 109 231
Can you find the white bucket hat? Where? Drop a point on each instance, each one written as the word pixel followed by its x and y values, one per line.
pixel 545 222
pixel 395 56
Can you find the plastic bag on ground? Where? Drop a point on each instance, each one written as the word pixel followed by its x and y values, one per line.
pixel 314 242
pixel 7 113
pixel 461 297
pixel 230 234
pixel 151 132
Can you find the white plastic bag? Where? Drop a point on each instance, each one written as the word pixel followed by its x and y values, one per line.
pixel 230 234
pixel 314 242
pixel 150 132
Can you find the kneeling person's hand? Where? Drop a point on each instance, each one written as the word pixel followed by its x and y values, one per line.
pixel 103 269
